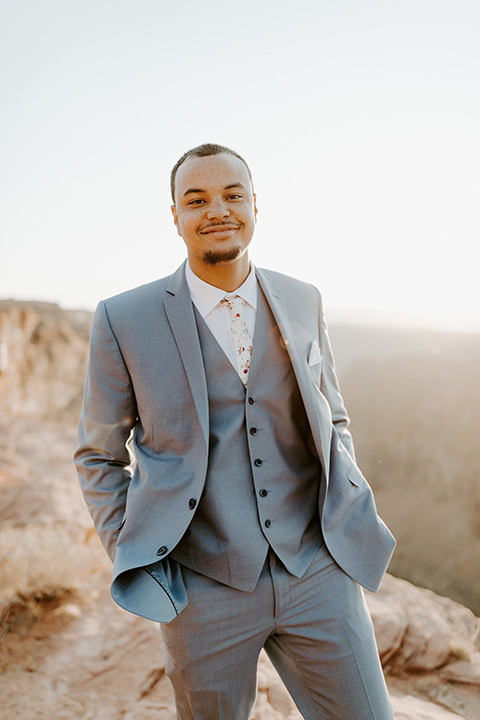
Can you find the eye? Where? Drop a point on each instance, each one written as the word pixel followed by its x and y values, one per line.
pixel 197 201
pixel 235 196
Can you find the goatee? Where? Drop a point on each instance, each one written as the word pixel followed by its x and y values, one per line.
pixel 214 257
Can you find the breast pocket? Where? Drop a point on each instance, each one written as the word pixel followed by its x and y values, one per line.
pixel 315 370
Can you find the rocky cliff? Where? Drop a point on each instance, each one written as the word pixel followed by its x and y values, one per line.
pixel 43 352
pixel 67 650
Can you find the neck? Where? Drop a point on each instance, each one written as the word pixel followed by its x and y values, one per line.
pixel 227 276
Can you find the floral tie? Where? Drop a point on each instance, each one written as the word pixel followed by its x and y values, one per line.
pixel 242 342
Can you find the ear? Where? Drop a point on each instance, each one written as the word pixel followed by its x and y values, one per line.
pixel 255 209
pixel 175 217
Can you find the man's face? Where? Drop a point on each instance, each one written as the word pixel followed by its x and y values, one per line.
pixel 214 211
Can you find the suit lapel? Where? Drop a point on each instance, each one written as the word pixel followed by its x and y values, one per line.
pixel 317 409
pixel 180 315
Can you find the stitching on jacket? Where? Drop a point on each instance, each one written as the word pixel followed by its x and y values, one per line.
pixel 164 589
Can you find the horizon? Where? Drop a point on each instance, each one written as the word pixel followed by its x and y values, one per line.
pixel 336 317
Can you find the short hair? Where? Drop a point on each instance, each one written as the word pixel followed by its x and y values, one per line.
pixel 204 150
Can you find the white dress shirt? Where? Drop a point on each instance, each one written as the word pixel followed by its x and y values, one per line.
pixel 206 299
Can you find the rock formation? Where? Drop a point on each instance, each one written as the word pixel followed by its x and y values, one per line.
pixel 68 651
pixel 84 657
pixel 43 352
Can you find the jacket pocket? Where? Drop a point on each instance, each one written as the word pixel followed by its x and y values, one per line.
pixel 315 371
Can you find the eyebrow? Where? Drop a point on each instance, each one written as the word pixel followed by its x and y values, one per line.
pixel 191 191
pixel 234 185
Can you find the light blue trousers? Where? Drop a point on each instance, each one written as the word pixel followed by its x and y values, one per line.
pixel 316 630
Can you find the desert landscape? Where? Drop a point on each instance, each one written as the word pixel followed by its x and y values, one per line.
pixel 67 651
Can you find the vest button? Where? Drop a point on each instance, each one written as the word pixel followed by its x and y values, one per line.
pixel 192 503
pixel 263 492
pixel 268 523
pixel 162 551
pixel 253 431
pixel 251 401
pixel 258 462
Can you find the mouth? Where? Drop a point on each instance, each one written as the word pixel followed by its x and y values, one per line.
pixel 225 228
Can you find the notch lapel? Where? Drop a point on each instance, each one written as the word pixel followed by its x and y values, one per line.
pixel 316 405
pixel 180 315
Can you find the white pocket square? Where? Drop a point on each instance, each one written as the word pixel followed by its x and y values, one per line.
pixel 315 355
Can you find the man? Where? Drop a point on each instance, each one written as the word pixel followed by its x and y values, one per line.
pixel 245 522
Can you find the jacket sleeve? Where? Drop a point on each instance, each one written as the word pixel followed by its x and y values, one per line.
pixel 103 460
pixel 330 386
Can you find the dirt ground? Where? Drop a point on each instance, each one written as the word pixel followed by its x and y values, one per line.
pixel 80 655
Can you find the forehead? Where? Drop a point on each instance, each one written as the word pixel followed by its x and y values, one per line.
pixel 214 172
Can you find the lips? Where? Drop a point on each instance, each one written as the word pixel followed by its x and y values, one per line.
pixel 225 227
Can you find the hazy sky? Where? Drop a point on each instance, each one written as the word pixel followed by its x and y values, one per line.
pixel 360 120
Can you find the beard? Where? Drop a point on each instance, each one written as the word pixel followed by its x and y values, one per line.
pixel 214 257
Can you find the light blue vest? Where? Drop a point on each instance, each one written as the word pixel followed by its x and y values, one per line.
pixel 263 474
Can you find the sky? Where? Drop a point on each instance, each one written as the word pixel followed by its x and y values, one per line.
pixel 360 120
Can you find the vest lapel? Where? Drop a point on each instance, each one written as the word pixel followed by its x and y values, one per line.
pixel 316 406
pixel 180 315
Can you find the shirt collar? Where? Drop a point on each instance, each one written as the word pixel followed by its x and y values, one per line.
pixel 206 297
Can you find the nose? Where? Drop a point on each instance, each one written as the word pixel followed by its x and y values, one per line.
pixel 218 209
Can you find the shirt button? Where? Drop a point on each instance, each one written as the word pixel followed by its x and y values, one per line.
pixel 263 492
pixel 268 523
pixel 253 431
pixel 251 401
pixel 192 503
pixel 162 551
pixel 258 462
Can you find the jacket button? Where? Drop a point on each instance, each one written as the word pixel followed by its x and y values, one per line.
pixel 162 551
pixel 258 462
pixel 263 492
pixel 251 401
pixel 253 431
pixel 268 523
pixel 192 503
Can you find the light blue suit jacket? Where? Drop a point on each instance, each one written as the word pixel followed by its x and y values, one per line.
pixel 146 390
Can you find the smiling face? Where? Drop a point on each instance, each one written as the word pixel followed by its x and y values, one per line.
pixel 214 211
